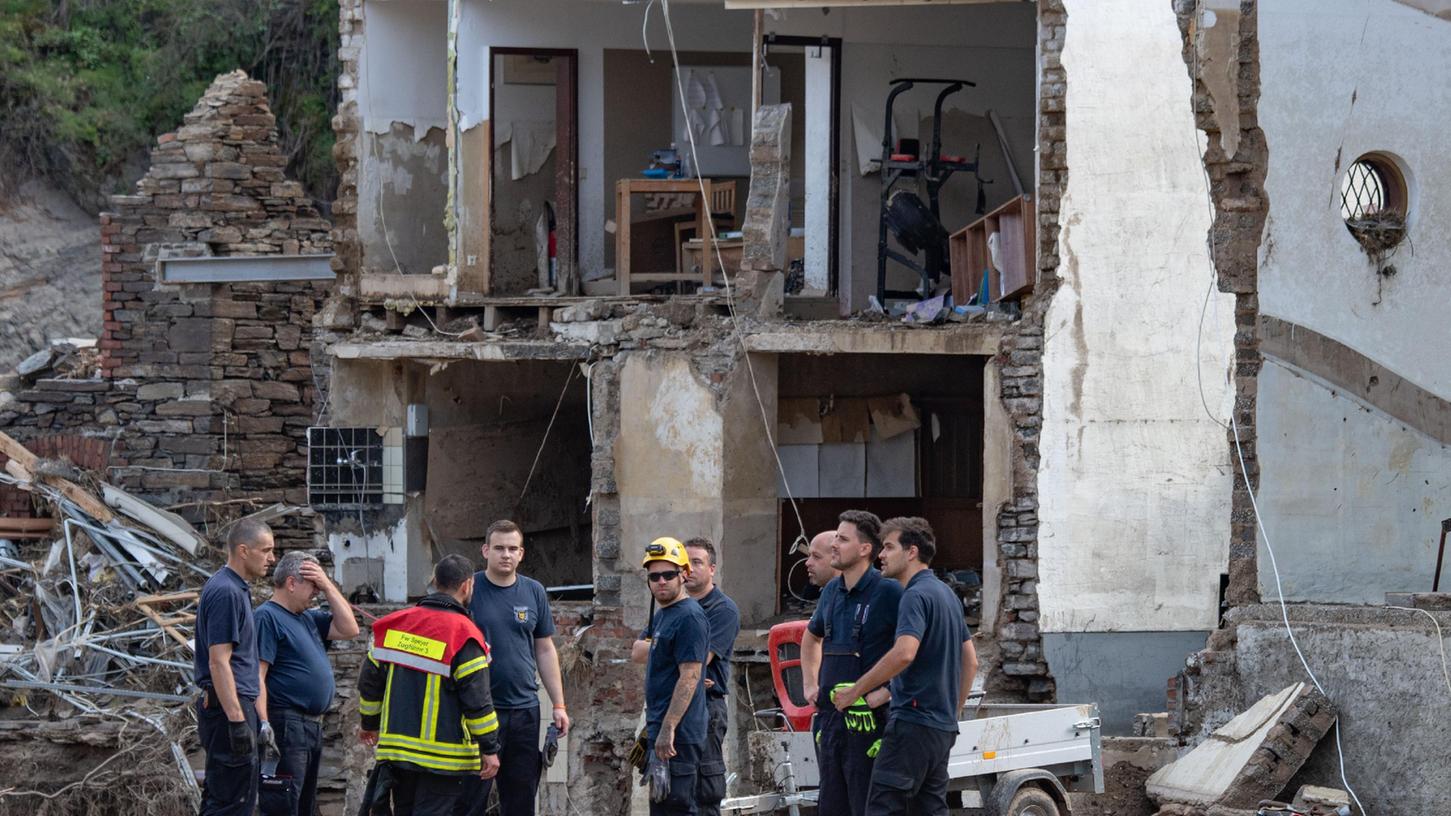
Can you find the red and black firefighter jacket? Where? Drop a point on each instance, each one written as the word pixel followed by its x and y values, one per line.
pixel 425 688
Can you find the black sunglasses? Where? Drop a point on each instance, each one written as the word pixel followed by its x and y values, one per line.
pixel 667 575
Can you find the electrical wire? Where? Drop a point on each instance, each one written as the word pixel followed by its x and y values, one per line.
pixel 729 290
pixel 1440 640
pixel 569 378
pixel 1233 425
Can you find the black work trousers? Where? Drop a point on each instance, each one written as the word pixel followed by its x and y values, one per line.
pixel 910 775
pixel 843 761
pixel 710 784
pixel 520 766
pixel 299 744
pixel 231 780
pixel 684 781
pixel 421 793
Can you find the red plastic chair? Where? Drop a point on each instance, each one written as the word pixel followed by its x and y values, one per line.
pixel 785 650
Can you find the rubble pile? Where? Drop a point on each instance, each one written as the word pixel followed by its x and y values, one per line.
pixel 97 605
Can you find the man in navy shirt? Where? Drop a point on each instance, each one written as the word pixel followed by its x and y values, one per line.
pixel 512 611
pixel 297 679
pixel 819 570
pixel 226 671
pixel 853 626
pixel 931 667
pixel 724 621
pixel 679 641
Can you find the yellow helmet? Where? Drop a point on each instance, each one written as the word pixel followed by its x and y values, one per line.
pixel 668 549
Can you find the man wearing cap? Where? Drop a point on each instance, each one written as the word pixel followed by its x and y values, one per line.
pixel 675 710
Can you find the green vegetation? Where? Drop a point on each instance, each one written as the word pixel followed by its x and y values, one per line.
pixel 86 86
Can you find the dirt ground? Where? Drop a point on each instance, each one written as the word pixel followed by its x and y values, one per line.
pixel 50 272
pixel 1123 794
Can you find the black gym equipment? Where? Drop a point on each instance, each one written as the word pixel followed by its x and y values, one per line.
pixel 918 226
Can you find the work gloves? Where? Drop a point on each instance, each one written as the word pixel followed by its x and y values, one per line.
pixel 657 776
pixel 267 737
pixel 859 716
pixel 243 741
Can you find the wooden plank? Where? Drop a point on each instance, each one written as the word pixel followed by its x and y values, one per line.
pixel 171 597
pixel 566 184
pixel 78 495
pixel 704 229
pixel 622 234
pixel 165 627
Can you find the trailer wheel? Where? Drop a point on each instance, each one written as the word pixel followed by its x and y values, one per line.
pixel 1032 801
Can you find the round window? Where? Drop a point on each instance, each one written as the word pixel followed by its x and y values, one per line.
pixel 1373 203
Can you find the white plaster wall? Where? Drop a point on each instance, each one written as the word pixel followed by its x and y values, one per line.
pixel 403 76
pixel 1353 499
pixel 668 461
pixel 1134 482
pixel 1315 55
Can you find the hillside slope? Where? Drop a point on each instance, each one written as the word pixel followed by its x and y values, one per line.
pixel 50 271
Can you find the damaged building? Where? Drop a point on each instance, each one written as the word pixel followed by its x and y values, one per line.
pixel 622 271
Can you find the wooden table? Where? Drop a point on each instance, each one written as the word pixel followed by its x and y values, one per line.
pixel 627 187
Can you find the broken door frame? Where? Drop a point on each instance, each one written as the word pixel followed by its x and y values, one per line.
pixel 833 239
pixel 566 173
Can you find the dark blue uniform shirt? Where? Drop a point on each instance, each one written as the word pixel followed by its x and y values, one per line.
pixel 295 649
pixel 926 691
pixel 512 618
pixel 857 627
pixel 680 634
pixel 724 619
pixel 224 615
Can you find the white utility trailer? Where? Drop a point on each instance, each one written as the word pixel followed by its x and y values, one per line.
pixel 1009 760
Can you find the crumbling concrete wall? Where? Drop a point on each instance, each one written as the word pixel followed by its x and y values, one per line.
pixel 1354 403
pixel 1381 668
pixel 209 388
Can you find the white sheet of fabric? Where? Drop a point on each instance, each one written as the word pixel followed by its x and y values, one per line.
pixel 716 129
pixel 533 142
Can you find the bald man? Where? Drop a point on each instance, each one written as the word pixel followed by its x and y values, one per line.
pixel 818 560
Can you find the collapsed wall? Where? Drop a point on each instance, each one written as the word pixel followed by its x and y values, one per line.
pixel 206 389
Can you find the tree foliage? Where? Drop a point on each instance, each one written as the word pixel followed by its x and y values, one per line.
pixel 87 85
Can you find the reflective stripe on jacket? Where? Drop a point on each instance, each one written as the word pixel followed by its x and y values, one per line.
pixel 425 688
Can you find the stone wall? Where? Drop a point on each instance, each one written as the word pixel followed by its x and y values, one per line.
pixel 207 389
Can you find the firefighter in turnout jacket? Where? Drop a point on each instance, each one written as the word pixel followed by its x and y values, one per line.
pixel 425 702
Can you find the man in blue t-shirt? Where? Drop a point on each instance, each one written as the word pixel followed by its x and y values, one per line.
pixel 512 611
pixel 723 619
pixel 297 679
pixel 225 669
pixel 854 624
pixel 930 667
pixel 676 644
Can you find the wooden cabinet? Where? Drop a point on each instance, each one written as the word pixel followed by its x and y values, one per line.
pixel 1015 224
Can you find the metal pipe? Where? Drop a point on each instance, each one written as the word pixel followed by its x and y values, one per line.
pixel 65 687
pixel 70 551
pixel 1440 554
pixel 10 562
pixel 142 659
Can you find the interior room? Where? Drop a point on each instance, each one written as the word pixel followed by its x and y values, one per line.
pixel 498 449
pixel 639 116
pixel 896 435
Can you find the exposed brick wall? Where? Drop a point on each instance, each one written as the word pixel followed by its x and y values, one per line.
pixel 1024 668
pixel 347 125
pixel 1237 185
pixel 208 388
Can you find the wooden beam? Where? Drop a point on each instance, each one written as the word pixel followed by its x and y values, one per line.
pixel 78 495
pixel 758 60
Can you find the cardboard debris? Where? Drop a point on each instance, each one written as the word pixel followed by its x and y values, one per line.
pixel 893 416
pixel 1249 759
